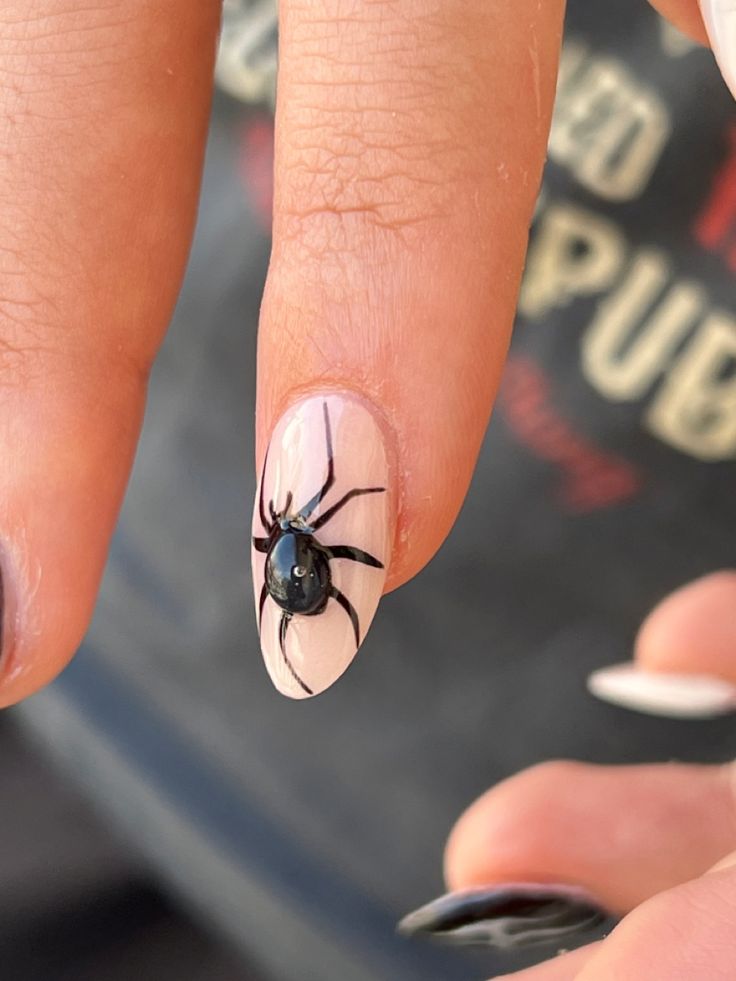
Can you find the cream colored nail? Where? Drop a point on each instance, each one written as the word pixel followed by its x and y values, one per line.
pixel 322 530
pixel 678 696
pixel 720 21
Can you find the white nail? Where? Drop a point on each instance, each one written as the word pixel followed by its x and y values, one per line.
pixel 720 22
pixel 678 696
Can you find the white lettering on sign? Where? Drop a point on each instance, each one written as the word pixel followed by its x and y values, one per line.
pixel 631 340
pixel 573 253
pixel 608 128
pixel 652 336
pixel 696 408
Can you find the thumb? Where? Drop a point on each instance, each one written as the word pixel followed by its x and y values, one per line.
pixel 684 934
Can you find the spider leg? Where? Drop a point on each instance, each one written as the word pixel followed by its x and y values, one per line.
pixel 283 627
pixel 260 544
pixel 356 554
pixel 349 609
pixel 356 492
pixel 261 502
pixel 304 512
pixel 262 603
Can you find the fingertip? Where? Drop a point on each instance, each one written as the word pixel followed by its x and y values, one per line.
pixel 498 836
pixel 592 826
pixel 693 630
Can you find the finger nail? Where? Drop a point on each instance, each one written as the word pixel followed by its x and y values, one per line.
pixel 720 21
pixel 322 529
pixel 511 915
pixel 677 696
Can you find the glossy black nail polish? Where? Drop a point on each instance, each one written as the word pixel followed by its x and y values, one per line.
pixel 512 915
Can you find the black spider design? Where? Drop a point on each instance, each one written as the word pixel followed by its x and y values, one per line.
pixel 297 572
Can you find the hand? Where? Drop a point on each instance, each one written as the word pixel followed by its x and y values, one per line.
pixel 410 142
pixel 655 845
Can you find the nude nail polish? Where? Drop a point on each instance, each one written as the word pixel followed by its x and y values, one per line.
pixel 322 531
pixel 675 696
pixel 720 22
pixel 507 915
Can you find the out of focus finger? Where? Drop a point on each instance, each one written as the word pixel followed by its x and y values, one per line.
pixel 558 852
pixel 561 968
pixel 685 655
pixel 624 833
pixel 683 934
pixel 707 21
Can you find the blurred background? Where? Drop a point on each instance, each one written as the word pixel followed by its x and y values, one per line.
pixel 165 813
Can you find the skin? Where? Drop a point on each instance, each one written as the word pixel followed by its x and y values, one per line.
pixel 394 171
pixel 670 865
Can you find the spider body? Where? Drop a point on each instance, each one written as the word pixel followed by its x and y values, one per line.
pixel 297 571
pixel 297 574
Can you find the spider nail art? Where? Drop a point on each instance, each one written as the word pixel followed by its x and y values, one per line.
pixel 321 540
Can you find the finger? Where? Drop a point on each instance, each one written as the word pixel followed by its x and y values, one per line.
pixel 104 109
pixel 562 968
pixel 707 21
pixel 685 655
pixel 409 145
pixel 635 945
pixel 621 833
pixel 684 934
pixel 693 630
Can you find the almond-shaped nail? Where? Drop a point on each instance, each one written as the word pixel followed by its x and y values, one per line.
pixel 720 21
pixel 510 915
pixel 676 696
pixel 322 532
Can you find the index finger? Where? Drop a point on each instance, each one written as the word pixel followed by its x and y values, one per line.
pixel 410 140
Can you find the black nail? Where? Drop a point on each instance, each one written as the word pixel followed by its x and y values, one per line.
pixel 509 916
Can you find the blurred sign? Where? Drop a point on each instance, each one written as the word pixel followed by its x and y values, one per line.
pixel 248 50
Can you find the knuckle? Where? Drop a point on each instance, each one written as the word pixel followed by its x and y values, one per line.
pixel 70 41
pixel 374 135
pixel 340 185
